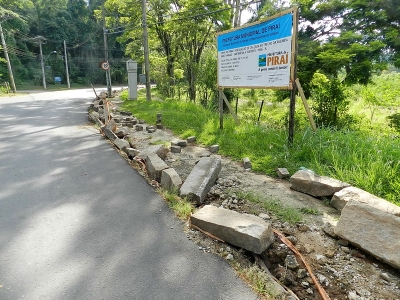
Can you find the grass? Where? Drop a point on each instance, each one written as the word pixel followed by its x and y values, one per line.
pixel 258 280
pixel 285 213
pixel 180 206
pixel 364 158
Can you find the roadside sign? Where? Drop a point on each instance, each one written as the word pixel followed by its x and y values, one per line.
pixel 105 65
pixel 257 55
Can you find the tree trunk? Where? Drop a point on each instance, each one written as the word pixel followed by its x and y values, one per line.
pixel 236 12
pixel 192 82
pixel 171 75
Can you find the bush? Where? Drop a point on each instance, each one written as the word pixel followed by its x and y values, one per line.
pixel 330 101
pixel 394 121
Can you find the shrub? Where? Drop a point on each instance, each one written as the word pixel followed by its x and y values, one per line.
pixel 394 121
pixel 330 101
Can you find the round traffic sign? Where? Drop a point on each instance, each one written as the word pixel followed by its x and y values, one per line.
pixel 105 65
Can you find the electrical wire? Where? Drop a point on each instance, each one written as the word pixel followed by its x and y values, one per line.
pixel 17 31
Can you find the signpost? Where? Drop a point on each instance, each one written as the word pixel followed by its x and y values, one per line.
pixel 257 56
pixel 260 55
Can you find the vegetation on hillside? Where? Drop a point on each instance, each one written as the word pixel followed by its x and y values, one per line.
pixel 363 153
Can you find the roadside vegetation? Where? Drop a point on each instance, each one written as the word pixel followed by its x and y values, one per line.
pixel 363 149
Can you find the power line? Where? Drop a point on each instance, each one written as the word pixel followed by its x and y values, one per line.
pixel 17 50
pixel 17 31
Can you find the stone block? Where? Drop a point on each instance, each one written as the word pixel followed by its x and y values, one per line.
pixel 308 182
pixel 175 149
pixel 246 163
pixel 128 124
pixel 93 115
pixel 160 150
pixel 151 130
pixel 111 125
pixel 246 231
pixel 154 166
pixel 126 113
pixel 139 127
pixel 170 180
pixel 121 132
pixel 121 144
pixel 191 139
pixel 340 199
pixel 205 154
pixel 95 118
pixel 181 143
pixel 132 152
pixel 159 126
pixel 201 179
pixel 214 148
pixel 109 134
pixel 282 173
pixel 375 231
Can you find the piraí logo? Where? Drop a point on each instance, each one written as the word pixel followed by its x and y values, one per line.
pixel 262 60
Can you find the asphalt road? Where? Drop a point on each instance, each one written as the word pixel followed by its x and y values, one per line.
pixel 77 222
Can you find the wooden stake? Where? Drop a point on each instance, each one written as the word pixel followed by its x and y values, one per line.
pixel 303 97
pixel 230 108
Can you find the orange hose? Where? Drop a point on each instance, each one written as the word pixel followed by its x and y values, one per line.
pixel 320 289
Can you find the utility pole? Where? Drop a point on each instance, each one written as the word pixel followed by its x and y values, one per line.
pixel 3 42
pixel 39 40
pixel 66 64
pixel 146 51
pixel 42 61
pixel 108 74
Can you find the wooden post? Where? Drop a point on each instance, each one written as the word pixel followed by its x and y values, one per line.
pixel 293 76
pixel 237 103
pixel 303 97
pixel 230 108
pixel 259 114
pixel 221 109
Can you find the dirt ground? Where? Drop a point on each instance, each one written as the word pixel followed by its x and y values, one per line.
pixel 344 271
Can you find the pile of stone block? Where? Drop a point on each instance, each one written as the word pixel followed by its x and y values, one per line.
pixel 366 221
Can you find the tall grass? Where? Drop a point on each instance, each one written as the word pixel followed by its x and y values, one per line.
pixel 364 159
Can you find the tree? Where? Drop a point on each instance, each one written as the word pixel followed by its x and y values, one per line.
pixel 347 36
pixel 196 31
pixel 330 105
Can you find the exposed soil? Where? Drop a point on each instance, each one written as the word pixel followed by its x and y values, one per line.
pixel 344 271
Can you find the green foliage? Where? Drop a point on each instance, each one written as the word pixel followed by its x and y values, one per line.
pixel 181 207
pixel 207 78
pixel 330 101
pixel 367 159
pixel 394 121
pixel 261 282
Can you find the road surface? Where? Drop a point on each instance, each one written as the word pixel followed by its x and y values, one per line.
pixel 77 222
